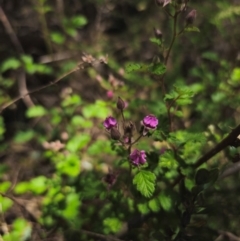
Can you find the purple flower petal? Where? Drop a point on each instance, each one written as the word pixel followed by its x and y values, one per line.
pixel 110 122
pixel 150 121
pixel 138 157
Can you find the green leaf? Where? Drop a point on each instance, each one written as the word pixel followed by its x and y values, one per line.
pixel 24 136
pixel 157 68
pixel 206 178
pixel 36 111
pixel 112 225
pixel 202 176
pixel 168 160
pixel 143 208
pixel 57 37
pixel 5 186
pixel 133 67
pixel 145 182
pixel 154 205
pixel 38 184
pixel 72 206
pixel 78 142
pixel 165 201
pixel 192 29
pixel 6 203
pixel 156 41
pixel 99 147
pixel 213 176
pixel 11 63
pixel 69 166
pixel 2 128
pixel 181 95
pixel 97 110
pixel 21 187
pixel 78 21
pixel 81 122
pixel 72 100
pixel 182 136
pixel 211 56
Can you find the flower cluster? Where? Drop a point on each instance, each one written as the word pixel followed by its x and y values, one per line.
pixel 148 123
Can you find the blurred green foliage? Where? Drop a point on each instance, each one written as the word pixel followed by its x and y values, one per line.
pixel 57 152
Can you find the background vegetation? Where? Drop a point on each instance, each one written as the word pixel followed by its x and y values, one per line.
pixel 63 65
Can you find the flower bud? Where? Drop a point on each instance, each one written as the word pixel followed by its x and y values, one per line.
pixel 120 104
pixel 159 2
pixel 129 128
pixel 110 178
pixel 162 3
pixel 191 17
pixel 158 33
pixel 115 134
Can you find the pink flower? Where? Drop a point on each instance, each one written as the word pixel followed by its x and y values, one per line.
pixel 110 122
pixel 138 157
pixel 150 122
pixel 109 94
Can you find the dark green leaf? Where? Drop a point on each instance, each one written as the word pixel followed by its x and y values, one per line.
pixel 192 29
pixel 133 67
pixel 157 68
pixel 202 176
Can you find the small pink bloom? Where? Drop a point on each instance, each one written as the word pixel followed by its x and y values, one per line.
pixel 109 94
pixel 110 122
pixel 150 122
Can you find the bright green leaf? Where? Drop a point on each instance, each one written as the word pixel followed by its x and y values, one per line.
pixel 156 41
pixel 168 160
pixel 57 37
pixel 72 100
pixel 81 122
pixel 72 206
pixel 38 184
pixel 97 110
pixel 78 21
pixel 78 142
pixel 154 205
pixel 11 63
pixel 69 166
pixel 145 182
pixel 4 186
pixel 21 187
pixel 36 111
pixel 5 204
pixel 143 208
pixel 112 224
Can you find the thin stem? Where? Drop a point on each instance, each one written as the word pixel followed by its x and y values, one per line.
pixel 42 19
pixel 38 89
pixel 173 37
pixel 136 140
pixel 123 119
